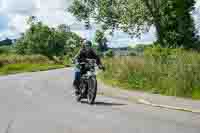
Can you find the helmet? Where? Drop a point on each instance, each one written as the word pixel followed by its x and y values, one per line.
pixel 87 43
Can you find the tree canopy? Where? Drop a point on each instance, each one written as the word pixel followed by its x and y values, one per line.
pixel 101 40
pixel 41 39
pixel 171 18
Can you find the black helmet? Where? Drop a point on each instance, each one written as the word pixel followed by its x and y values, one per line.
pixel 88 43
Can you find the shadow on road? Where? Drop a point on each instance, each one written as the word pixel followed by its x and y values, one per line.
pixel 105 103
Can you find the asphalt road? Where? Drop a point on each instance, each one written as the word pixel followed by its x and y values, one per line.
pixel 43 102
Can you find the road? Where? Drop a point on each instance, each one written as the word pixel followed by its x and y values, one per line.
pixel 43 102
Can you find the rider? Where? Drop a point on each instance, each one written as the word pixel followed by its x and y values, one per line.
pixel 86 52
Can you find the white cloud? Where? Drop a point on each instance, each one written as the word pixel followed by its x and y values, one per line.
pixel 55 17
pixel 196 15
pixel 52 4
pixel 18 6
pixel 197 3
pixel 50 12
pixel 53 13
pixel 18 23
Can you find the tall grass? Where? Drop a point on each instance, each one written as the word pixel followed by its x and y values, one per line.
pixel 25 59
pixel 19 68
pixel 168 72
pixel 13 63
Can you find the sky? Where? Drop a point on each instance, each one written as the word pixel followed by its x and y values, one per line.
pixel 14 13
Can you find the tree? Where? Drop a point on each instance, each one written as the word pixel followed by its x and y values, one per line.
pixel 31 20
pixel 101 40
pixel 173 22
pixel 41 39
pixel 64 28
pixel 171 18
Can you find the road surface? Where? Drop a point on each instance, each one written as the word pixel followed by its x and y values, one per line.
pixel 43 102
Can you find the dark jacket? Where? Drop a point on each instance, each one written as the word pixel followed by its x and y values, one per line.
pixel 87 54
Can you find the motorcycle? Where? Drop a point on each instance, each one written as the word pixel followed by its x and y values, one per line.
pixel 88 82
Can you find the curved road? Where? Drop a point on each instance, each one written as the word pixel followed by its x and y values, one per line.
pixel 43 102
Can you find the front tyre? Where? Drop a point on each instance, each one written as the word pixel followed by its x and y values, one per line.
pixel 81 86
pixel 78 98
pixel 92 90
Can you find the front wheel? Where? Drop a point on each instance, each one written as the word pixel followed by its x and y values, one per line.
pixel 92 90
pixel 80 87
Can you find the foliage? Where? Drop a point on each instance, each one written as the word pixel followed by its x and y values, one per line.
pixel 130 16
pixel 132 53
pixel 177 24
pixel 109 53
pixel 64 28
pixel 101 40
pixel 67 61
pixel 6 49
pixel 171 18
pixel 50 42
pixel 6 42
pixel 170 72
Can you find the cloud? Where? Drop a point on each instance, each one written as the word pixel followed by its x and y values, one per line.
pixel 18 23
pixel 18 6
pixel 196 15
pixel 14 13
pixel 55 17
pixel 52 4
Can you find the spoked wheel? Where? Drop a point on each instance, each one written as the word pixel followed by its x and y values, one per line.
pixel 92 90
pixel 82 90
pixel 79 95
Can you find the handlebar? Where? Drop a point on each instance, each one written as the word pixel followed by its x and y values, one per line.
pixel 90 61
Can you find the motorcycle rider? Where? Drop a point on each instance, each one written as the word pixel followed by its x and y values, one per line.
pixel 86 52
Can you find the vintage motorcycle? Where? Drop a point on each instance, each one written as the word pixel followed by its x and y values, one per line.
pixel 88 82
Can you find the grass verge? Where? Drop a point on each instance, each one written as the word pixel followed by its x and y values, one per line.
pixel 174 74
pixel 24 67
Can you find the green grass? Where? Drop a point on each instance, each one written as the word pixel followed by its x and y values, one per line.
pixel 174 74
pixel 20 68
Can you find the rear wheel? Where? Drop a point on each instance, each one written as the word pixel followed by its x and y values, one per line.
pixel 92 90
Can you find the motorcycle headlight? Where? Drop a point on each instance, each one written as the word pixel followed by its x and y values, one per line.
pixel 89 73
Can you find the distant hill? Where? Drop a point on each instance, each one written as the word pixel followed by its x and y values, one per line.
pixel 6 42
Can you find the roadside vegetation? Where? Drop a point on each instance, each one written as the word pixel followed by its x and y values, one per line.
pixel 13 63
pixel 173 72
pixel 39 48
pixel 20 68
pixel 171 65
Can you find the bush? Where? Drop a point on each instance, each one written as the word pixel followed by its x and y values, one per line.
pixel 132 54
pixel 67 61
pixel 171 72
pixel 109 53
pixel 43 40
pixel 6 49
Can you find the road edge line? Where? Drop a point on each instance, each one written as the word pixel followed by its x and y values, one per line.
pixel 145 102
